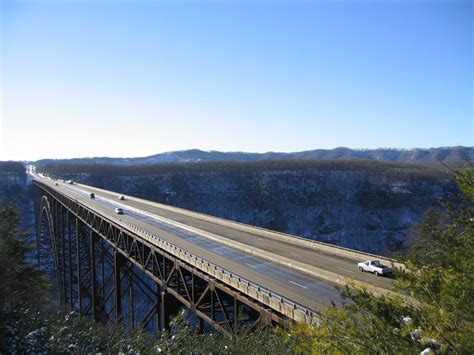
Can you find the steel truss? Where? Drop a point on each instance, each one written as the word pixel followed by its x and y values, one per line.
pixel 110 273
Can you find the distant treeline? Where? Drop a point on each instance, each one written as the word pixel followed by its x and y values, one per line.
pixel 12 167
pixel 374 168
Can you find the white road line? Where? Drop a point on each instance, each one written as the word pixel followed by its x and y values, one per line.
pixel 218 252
pixel 340 268
pixel 250 265
pixel 295 254
pixel 297 284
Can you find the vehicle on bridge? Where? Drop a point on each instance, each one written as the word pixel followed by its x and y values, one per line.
pixel 118 210
pixel 92 195
pixel 375 267
pixel 121 197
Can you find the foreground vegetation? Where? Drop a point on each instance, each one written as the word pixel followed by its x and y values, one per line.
pixel 440 283
pixel 441 280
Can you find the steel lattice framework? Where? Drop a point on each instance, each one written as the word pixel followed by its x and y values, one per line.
pixel 111 272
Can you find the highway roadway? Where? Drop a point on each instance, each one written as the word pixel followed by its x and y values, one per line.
pixel 299 287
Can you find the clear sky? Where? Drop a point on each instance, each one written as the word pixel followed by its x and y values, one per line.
pixel 135 78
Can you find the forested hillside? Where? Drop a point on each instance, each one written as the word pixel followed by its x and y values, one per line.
pixel 15 188
pixel 12 175
pixel 365 205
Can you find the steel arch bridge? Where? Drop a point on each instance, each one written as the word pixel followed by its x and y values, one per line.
pixel 110 272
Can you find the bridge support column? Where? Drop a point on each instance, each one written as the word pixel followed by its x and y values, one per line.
pixel 94 290
pixel 265 317
pixel 58 250
pixel 69 248
pixel 79 226
pixel 37 196
pixel 131 295
pixel 169 307
pixel 62 238
pixel 119 260
pixel 158 308
pixel 199 324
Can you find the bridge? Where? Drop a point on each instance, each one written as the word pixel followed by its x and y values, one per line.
pixel 141 267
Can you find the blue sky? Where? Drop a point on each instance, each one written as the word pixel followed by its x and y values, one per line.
pixel 134 78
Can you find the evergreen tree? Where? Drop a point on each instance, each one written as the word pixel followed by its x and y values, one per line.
pixel 22 282
pixel 441 274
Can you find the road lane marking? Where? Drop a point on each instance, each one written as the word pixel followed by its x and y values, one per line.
pixel 218 252
pixel 250 265
pixel 295 254
pixel 297 284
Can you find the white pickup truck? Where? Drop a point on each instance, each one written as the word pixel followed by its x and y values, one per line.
pixel 375 267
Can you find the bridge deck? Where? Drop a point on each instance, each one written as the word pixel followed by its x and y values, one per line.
pixel 300 287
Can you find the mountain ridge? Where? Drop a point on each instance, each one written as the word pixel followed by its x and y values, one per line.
pixel 453 156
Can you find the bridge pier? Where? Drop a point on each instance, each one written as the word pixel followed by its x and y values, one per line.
pixel 79 226
pixel 169 307
pixel 119 261
pixel 70 264
pixel 60 252
pixel 200 325
pixel 93 241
